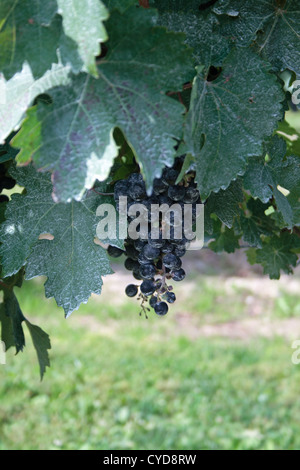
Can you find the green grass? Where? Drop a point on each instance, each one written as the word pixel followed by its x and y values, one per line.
pixel 119 381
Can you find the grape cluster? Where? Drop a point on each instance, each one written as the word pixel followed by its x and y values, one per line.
pixel 156 261
pixel 6 182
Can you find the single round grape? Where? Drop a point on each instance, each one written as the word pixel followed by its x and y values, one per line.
pixel 167 248
pixel 131 290
pixel 131 252
pixel 170 297
pixel 139 244
pixel 178 275
pixel 170 175
pixel 161 308
pixel 136 275
pixel 179 251
pixel 147 271
pixel 171 261
pixel 114 251
pixel 191 195
pixel 148 287
pixel 159 186
pixel 153 301
pixel 150 252
pixel 131 265
pixel 164 199
pixel 135 178
pixel 142 259
pixel 121 189
pixel 176 193
pixel 137 191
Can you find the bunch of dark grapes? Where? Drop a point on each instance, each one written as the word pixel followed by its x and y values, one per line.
pixel 156 261
pixel 6 182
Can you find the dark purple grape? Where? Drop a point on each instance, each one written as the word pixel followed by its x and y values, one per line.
pixel 170 297
pixel 114 251
pixel 161 308
pixel 159 186
pixel 150 252
pixel 191 196
pixel 131 252
pixel 147 271
pixel 167 248
pixel 170 175
pixel 171 261
pixel 131 265
pixel 147 287
pixel 139 244
pixel 131 290
pixel 179 251
pixel 137 191
pixel 153 301
pixel 121 189
pixel 176 193
pixel 178 275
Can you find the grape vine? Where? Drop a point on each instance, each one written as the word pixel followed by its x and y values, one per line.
pixel 158 101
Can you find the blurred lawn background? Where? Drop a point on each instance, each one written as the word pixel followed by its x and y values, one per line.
pixel 215 373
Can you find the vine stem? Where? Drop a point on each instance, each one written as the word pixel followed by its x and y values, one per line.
pixel 102 194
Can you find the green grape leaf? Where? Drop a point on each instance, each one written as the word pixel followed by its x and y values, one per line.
pixel 29 31
pixel 291 137
pixel 279 42
pixel 230 117
pixel 263 178
pixel 278 254
pixel 274 24
pixel 21 90
pixel 209 46
pixel 41 343
pixel 120 5
pixel 54 240
pixel 14 312
pixel 83 26
pixel 240 21
pixel 225 204
pixel 227 241
pixel 11 319
pixel 75 136
pixel 256 223
pixel 7 335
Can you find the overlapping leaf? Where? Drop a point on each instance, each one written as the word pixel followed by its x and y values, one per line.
pixel 225 205
pixel 275 25
pixel 201 30
pixel 75 139
pixel 264 179
pixel 11 319
pixel 29 31
pixel 120 5
pixel 83 26
pixel 20 91
pixel 277 254
pixel 230 117
pixel 72 262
